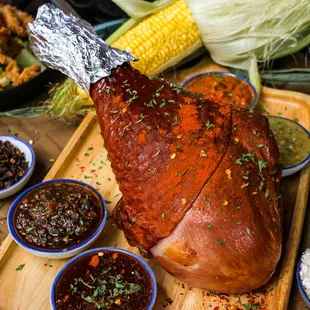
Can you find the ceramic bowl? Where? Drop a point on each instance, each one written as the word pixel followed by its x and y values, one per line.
pixel 293 169
pixel 25 148
pixel 255 100
pixel 134 256
pixel 59 253
pixel 300 286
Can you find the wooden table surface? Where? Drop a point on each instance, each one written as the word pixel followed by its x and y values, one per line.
pixel 49 138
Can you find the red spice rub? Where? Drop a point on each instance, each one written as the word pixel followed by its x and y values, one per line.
pixel 153 175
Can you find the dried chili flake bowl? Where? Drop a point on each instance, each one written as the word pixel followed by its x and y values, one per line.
pixel 58 218
pixel 104 278
pixel 17 161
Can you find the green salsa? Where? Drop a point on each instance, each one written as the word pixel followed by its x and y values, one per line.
pixel 293 141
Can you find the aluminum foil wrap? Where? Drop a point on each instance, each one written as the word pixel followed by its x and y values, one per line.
pixel 70 45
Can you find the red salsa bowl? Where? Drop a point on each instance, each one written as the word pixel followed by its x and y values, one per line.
pixel 104 278
pixel 219 86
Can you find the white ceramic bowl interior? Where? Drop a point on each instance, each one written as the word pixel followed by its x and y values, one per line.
pixel 30 158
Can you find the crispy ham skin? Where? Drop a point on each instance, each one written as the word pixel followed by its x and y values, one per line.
pixel 198 193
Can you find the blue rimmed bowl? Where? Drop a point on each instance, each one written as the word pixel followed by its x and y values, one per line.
pixel 299 283
pixel 25 148
pixel 223 73
pixel 295 168
pixel 56 253
pixel 135 257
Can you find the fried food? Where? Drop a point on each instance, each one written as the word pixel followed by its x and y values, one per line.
pixel 13 28
pixel 4 39
pixel 13 72
pixel 17 77
pixel 4 82
pixel 16 20
pixel 5 60
pixel 13 47
pixel 28 74
pixel 24 18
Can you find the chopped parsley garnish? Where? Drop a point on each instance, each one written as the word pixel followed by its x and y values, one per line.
pixel 107 89
pixel 87 285
pixel 177 89
pixel 140 119
pixel 255 133
pixel 245 158
pixel 261 165
pixel 208 125
pixel 221 242
pixel 12 132
pixel 73 288
pixel 20 267
pixel 175 121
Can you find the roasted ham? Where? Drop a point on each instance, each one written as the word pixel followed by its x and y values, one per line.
pixel 199 195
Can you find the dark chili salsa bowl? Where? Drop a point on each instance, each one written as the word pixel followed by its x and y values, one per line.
pixel 104 278
pixel 58 218
pixel 220 85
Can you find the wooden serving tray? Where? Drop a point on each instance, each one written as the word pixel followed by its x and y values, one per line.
pixel 84 158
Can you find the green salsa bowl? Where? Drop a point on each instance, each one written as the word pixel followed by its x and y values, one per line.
pixel 294 143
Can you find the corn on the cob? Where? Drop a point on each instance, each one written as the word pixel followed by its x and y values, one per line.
pixel 162 40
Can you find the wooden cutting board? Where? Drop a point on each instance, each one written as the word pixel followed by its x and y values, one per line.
pixel 28 289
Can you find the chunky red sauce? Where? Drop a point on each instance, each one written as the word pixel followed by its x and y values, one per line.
pixel 58 216
pixel 104 280
pixel 219 87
